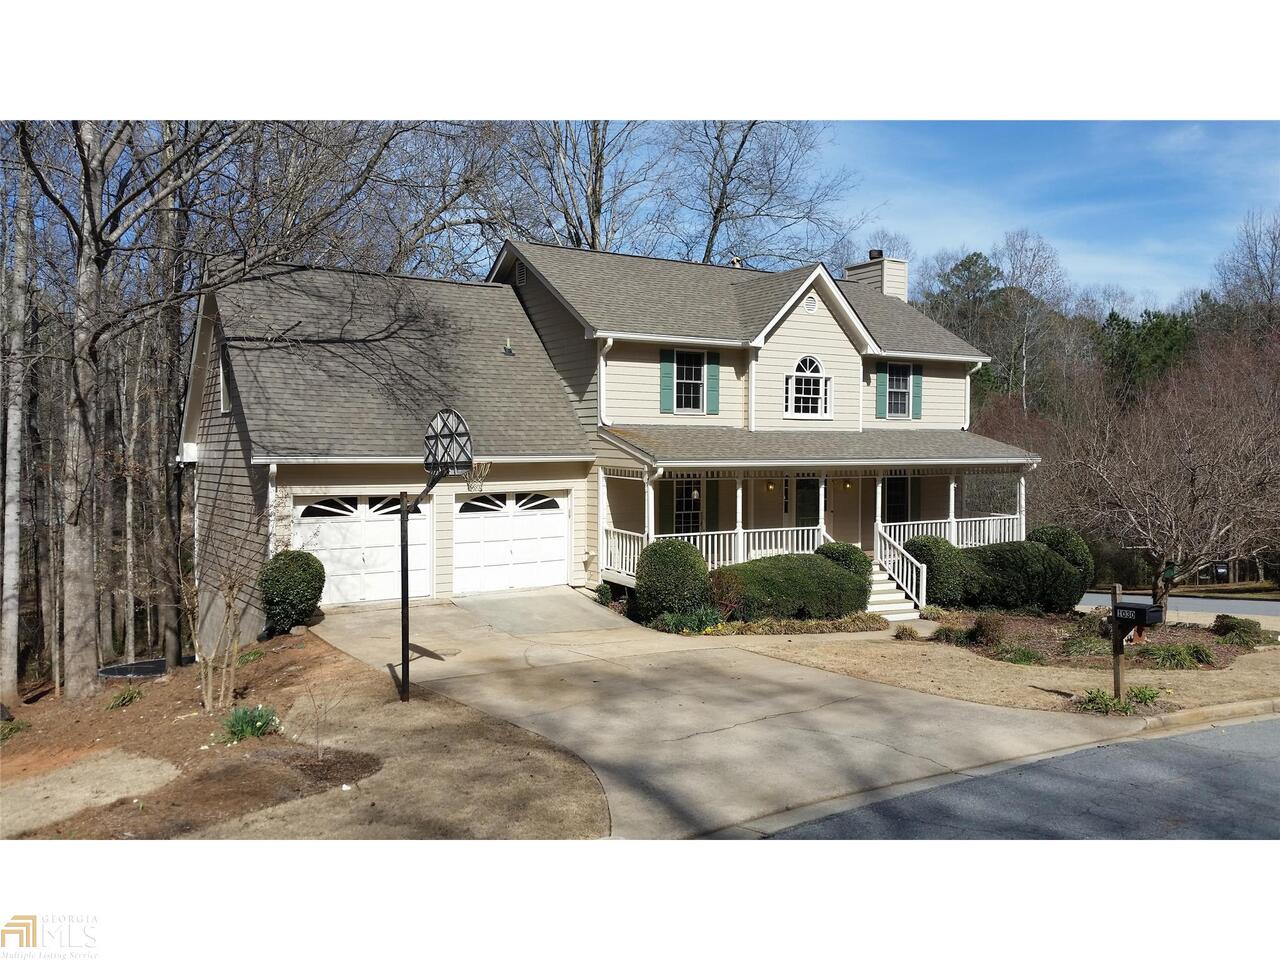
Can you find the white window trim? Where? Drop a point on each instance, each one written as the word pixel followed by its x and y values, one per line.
pixel 702 504
pixel 675 385
pixel 789 397
pixel 889 415
pixel 224 397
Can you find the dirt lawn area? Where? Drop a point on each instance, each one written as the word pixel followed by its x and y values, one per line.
pixel 958 672
pixel 429 768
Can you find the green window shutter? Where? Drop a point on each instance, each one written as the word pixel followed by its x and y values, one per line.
pixel 917 390
pixel 711 508
pixel 882 390
pixel 665 521
pixel 667 389
pixel 713 383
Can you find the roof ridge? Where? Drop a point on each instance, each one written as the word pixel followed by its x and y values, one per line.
pixel 358 271
pixel 646 256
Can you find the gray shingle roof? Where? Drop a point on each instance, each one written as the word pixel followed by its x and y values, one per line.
pixel 900 327
pixel 331 363
pixel 619 293
pixel 680 444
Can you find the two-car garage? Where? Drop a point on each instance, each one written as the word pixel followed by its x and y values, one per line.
pixel 501 540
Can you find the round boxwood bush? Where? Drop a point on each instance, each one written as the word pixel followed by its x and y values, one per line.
pixel 1071 547
pixel 1020 575
pixel 948 577
pixel 852 559
pixel 671 577
pixel 793 586
pixel 291 583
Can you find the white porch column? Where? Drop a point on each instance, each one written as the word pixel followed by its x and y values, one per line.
pixel 648 507
pixel 602 498
pixel 951 509
pixel 875 539
pixel 1022 506
pixel 822 506
pixel 738 552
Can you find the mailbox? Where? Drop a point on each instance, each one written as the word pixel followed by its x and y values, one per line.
pixel 1138 614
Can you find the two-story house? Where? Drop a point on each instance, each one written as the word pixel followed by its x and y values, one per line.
pixel 613 399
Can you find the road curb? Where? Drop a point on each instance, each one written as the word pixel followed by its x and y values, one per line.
pixel 1218 711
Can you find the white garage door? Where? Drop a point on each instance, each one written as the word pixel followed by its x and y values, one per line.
pixel 358 541
pixel 506 540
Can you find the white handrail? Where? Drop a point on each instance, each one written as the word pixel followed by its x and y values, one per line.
pixel 969 531
pixel 622 550
pixel 905 570
pixel 773 541
pixel 716 546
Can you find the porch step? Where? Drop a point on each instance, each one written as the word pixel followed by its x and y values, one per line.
pixel 887 599
pixel 892 606
pixel 901 615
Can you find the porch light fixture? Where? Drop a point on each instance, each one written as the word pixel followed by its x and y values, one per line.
pixel 848 484
pixel 769 486
pixel 695 493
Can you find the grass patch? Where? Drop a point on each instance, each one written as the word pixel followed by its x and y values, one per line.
pixel 249 656
pixel 904 632
pixel 11 728
pixel 1200 653
pixel 245 722
pixel 854 623
pixel 1099 701
pixel 1020 654
pixel 956 635
pixel 1168 656
pixel 128 695
pixel 930 612
pixel 1143 695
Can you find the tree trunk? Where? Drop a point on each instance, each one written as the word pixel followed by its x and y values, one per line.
pixel 14 375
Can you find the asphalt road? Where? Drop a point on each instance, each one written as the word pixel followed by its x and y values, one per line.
pixel 1240 608
pixel 1220 783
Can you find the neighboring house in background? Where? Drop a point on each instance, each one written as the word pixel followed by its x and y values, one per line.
pixel 618 399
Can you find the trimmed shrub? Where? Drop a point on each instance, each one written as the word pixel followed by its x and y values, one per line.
pixel 932 612
pixel 796 586
pixel 604 592
pixel 1070 546
pixel 852 559
pixel 1237 630
pixel 948 572
pixel 671 577
pixel 291 583
pixel 1020 575
pixel 905 632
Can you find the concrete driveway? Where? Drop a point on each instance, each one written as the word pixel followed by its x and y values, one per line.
pixel 693 735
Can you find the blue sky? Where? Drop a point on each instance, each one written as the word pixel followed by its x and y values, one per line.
pixel 1149 206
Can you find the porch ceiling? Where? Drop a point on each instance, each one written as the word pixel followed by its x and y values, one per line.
pixel 678 445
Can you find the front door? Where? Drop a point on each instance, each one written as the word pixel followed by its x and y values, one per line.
pixel 807 502
pixel 897 500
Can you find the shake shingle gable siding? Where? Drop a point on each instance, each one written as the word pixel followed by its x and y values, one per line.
pixel 732 445
pixel 333 364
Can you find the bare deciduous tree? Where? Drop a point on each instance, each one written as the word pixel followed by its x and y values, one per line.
pixel 1249 273
pixel 1035 291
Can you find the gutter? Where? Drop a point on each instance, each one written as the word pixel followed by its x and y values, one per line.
pixel 602 392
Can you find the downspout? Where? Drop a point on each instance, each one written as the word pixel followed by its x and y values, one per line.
pixel 751 388
pixel 602 366
pixel 271 510
pixel 968 403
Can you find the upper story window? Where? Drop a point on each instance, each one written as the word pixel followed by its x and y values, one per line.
pixel 899 390
pixel 808 391
pixel 690 381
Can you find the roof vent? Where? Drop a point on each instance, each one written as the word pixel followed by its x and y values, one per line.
pixel 875 254
pixel 521 273
pixel 735 262
pixel 507 351
pixel 811 304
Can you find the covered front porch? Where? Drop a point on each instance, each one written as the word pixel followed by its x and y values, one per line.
pixel 737 515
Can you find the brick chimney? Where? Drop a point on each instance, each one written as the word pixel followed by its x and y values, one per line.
pixel 886 274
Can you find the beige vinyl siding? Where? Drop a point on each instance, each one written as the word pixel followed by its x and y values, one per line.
pixel 802 334
pixel 632 386
pixel 230 510
pixel 942 397
pixel 577 479
pixel 571 353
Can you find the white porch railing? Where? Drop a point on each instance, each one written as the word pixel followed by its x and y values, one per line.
pixel 979 531
pixel 772 541
pixel 622 550
pixel 902 532
pixel 716 546
pixel 905 570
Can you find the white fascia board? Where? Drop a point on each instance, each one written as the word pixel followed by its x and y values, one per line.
pixel 958 358
pixel 196 375
pixel 257 461
pixel 664 338
pixel 821 277
pixel 805 464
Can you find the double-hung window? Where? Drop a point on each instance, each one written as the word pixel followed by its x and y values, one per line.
pixel 688 506
pixel 691 381
pixel 899 391
pixel 807 394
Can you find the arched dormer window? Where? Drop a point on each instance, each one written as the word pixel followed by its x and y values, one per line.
pixel 808 391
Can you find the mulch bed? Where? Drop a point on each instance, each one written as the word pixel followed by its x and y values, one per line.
pixel 1046 635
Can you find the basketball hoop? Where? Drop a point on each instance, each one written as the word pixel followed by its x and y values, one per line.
pixel 475 476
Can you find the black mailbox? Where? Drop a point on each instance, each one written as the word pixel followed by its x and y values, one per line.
pixel 1138 614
